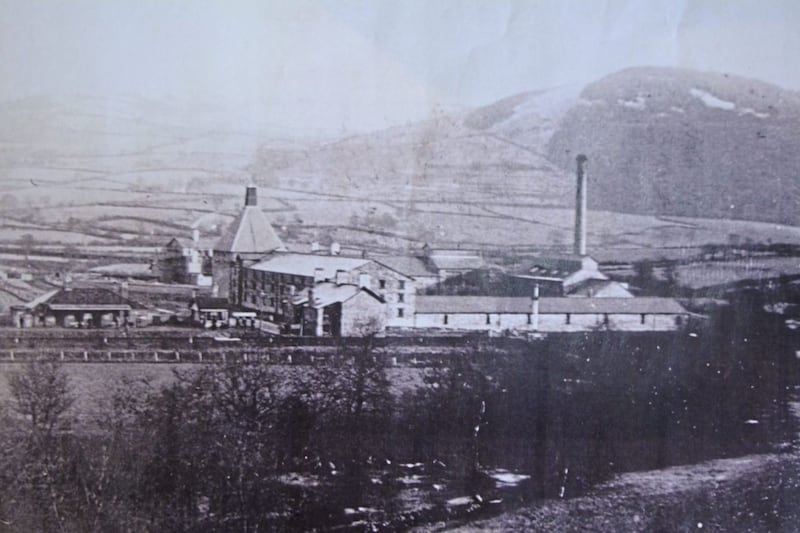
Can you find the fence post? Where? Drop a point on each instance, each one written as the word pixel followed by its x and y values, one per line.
pixel 11 354
pixel 199 357
pixel 85 355
pixel 109 355
pixel 224 357
pixel 177 355
pixel 61 355
pixel 289 359
pixel 155 357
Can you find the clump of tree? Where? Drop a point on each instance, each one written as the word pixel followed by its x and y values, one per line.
pixel 254 446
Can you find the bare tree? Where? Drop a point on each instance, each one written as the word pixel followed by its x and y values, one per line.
pixel 42 401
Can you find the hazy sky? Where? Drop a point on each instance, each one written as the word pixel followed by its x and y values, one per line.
pixel 325 66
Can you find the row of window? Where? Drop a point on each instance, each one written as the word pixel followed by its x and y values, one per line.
pixel 401 284
pixel 568 318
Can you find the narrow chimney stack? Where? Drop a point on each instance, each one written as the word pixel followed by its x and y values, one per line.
pixel 251 197
pixel 580 207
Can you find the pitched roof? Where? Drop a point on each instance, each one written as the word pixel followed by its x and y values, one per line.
pixel 126 269
pixel 558 266
pixel 204 243
pixel 473 304
pixel 595 287
pixel 212 302
pixel 514 304
pixel 326 294
pixel 86 298
pixel 250 232
pixel 457 260
pixel 407 265
pixel 648 305
pixel 306 264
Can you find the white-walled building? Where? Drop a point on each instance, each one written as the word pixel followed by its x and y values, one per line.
pixel 547 314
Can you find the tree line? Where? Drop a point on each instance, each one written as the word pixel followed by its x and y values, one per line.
pixel 254 447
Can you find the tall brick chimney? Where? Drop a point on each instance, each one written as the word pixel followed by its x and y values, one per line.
pixel 580 207
pixel 250 197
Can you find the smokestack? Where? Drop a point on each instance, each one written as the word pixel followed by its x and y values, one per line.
pixel 535 309
pixel 250 197
pixel 580 207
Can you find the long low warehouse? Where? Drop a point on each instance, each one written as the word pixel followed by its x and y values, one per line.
pixel 487 313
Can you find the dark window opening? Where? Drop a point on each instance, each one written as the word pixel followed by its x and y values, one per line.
pixel 445 319
pixel 569 318
pixel 400 313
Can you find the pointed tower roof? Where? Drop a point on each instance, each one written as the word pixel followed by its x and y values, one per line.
pixel 250 231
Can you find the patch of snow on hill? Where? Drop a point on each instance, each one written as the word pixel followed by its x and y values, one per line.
pixel 751 111
pixel 712 101
pixel 636 103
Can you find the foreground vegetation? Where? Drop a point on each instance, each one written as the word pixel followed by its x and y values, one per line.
pixel 252 446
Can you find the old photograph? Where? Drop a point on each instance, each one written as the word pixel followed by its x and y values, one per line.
pixel 399 265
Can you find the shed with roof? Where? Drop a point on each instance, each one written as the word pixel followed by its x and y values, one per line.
pixel 548 314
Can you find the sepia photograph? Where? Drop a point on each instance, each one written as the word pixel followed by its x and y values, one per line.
pixel 399 265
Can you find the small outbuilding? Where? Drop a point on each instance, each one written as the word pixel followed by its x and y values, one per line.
pixel 338 310
pixel 76 307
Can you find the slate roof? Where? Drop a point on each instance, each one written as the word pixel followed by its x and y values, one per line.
pixel 457 261
pixel 86 298
pixel 591 287
pixel 410 266
pixel 644 305
pixel 250 232
pixel 126 269
pixel 557 266
pixel 306 264
pixel 211 302
pixel 326 294
pixel 473 304
pixel 511 304
pixel 204 243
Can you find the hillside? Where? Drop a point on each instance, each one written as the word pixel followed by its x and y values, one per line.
pixel 680 142
pixel 662 143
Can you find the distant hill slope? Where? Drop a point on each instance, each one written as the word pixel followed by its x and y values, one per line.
pixel 660 141
pixel 680 142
